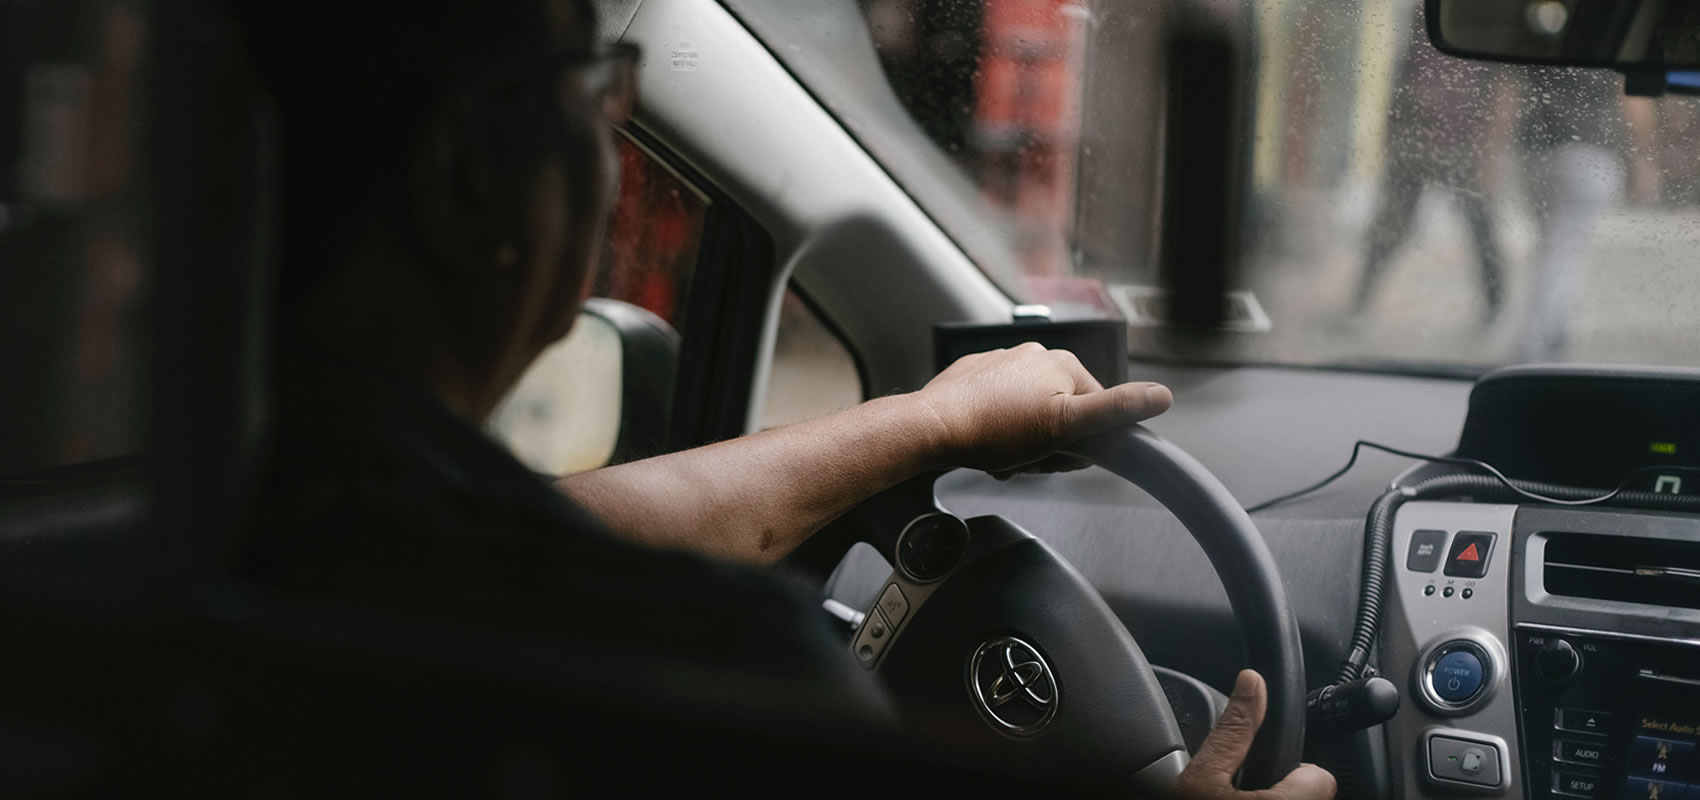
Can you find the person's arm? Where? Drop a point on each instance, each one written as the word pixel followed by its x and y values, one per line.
pixel 755 498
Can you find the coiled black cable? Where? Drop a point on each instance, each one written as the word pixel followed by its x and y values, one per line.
pixel 1495 486
pixel 1378 533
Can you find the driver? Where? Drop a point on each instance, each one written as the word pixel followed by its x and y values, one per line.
pixel 446 172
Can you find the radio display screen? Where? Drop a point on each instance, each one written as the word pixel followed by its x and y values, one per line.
pixel 1664 747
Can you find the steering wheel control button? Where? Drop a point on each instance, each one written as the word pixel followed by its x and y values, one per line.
pixel 1426 547
pixel 1575 784
pixel 871 642
pixel 1578 720
pixel 1468 556
pixel 894 604
pixel 1463 761
pixel 1012 687
pixel 1573 751
pixel 930 546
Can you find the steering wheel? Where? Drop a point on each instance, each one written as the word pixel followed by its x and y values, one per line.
pixel 987 639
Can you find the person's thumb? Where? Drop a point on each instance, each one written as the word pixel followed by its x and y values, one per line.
pixel 1114 407
pixel 1308 782
pixel 1211 773
pixel 1225 748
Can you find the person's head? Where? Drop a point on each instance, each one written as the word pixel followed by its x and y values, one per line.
pixel 446 170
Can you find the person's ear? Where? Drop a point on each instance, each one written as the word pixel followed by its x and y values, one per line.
pixel 457 201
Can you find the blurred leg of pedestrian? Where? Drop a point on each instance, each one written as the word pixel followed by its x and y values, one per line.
pixel 1578 183
pixel 1475 208
pixel 1400 191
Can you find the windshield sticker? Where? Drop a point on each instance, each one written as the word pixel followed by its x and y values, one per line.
pixel 683 56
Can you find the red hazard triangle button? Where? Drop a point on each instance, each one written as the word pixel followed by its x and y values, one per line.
pixel 1468 556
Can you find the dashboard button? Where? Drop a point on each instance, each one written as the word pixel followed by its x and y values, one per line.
pixel 1468 556
pixel 1662 759
pixel 1471 763
pixel 1463 761
pixel 1425 551
pixel 1643 789
pixel 1573 751
pixel 1575 784
pixel 1557 661
pixel 1457 676
pixel 1583 721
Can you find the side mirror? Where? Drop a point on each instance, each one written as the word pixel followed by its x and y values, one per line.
pixel 1635 36
pixel 603 395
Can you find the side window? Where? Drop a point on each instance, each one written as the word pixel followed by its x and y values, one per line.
pixel 654 237
pixel 602 393
pixel 813 372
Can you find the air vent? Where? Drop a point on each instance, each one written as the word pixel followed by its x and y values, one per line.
pixel 1628 569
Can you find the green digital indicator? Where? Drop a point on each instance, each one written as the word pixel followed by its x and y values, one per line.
pixel 1663 448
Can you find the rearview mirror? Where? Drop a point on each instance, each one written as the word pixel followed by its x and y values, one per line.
pixel 1630 35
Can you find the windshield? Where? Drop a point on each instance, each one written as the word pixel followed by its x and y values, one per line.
pixel 1401 209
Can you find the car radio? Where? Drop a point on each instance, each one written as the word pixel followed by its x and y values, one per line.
pixel 1609 716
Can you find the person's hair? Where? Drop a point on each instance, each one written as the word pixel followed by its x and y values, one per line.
pixel 350 83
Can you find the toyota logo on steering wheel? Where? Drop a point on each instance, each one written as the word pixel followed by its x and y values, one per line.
pixel 1012 686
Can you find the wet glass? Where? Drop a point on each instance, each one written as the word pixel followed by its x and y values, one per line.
pixel 1402 209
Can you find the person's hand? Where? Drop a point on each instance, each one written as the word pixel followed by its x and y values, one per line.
pixel 1210 776
pixel 1008 411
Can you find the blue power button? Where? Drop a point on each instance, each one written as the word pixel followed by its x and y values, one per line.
pixel 1457 676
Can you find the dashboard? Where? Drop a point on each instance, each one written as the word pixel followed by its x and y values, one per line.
pixel 1539 650
pixel 1550 650
pixel 1520 684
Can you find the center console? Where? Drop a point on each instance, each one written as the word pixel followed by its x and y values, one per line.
pixel 1607 715
pixel 1549 650
pixel 1546 653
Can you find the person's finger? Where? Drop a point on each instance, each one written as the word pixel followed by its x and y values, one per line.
pixel 1308 782
pixel 1114 407
pixel 1222 752
pixel 1083 380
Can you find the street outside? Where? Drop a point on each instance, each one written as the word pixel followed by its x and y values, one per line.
pixel 1639 302
pixel 1340 95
